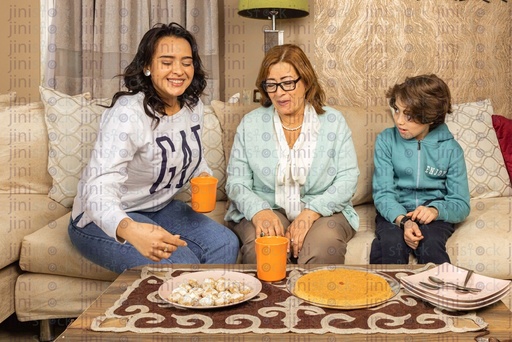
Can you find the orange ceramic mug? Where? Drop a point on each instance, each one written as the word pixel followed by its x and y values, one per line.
pixel 204 193
pixel 271 257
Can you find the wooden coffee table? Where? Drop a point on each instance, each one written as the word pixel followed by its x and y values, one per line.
pixel 497 316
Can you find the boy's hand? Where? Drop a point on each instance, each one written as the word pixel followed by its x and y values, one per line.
pixel 423 215
pixel 412 234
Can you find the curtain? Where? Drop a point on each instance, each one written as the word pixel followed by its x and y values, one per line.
pixel 90 42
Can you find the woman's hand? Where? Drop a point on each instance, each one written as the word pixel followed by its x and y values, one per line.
pixel 299 228
pixel 153 242
pixel 268 223
pixel 412 234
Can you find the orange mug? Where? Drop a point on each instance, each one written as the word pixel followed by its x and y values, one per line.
pixel 204 193
pixel 271 257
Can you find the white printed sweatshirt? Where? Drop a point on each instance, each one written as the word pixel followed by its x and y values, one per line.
pixel 136 167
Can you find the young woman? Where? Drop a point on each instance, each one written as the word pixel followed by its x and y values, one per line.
pixel 148 148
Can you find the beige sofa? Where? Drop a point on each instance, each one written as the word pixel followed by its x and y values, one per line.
pixel 46 278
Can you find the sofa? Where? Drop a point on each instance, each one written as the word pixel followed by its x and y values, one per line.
pixel 48 142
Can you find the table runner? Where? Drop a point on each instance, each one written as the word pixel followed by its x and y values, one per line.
pixel 274 310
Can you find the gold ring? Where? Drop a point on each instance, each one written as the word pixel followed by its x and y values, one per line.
pixel 262 234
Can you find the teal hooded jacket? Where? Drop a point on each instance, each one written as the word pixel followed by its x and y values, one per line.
pixel 410 173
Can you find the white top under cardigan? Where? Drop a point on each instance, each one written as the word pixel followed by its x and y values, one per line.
pixel 294 163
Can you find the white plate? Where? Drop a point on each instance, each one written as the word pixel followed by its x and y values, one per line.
pixel 454 306
pixel 395 288
pixel 451 273
pixel 167 287
pixel 462 299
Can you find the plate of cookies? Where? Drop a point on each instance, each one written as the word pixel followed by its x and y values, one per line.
pixel 209 289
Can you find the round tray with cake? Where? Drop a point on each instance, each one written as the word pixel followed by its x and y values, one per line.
pixel 343 287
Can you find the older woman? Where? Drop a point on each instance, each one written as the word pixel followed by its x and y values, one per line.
pixel 293 167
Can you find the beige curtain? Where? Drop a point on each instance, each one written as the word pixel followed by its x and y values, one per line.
pixel 92 41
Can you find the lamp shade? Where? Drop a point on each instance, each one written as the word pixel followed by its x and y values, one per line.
pixel 260 9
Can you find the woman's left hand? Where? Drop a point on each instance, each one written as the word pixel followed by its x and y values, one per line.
pixel 298 229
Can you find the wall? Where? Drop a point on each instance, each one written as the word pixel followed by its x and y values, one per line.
pixel 20 71
pixel 358 48
pixel 361 48
pixel 364 49
pixel 243 45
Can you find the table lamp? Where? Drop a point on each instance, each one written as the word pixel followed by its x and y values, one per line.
pixel 273 9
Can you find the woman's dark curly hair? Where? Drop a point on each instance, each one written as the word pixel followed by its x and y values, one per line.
pixel 135 80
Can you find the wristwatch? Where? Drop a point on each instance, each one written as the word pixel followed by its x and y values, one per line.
pixel 403 220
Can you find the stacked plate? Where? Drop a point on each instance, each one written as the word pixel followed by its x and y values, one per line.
pixel 448 297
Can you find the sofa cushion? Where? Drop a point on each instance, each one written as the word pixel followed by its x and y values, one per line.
pixel 7 99
pixel 365 124
pixel 8 276
pixel 72 122
pixel 214 154
pixel 43 296
pixel 503 128
pixel 23 214
pixel 483 241
pixel 230 115
pixel 471 124
pixel 49 250
pixel 358 248
pixel 24 150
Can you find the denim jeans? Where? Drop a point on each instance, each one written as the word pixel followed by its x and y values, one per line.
pixel 389 246
pixel 208 242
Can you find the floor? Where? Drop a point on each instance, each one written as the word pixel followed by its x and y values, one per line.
pixel 11 330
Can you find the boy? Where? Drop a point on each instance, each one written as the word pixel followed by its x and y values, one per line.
pixel 420 185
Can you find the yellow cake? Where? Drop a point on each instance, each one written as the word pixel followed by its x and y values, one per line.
pixel 343 288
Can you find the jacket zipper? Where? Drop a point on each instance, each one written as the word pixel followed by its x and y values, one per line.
pixel 418 171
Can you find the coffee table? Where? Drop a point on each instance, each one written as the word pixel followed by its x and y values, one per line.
pixel 497 316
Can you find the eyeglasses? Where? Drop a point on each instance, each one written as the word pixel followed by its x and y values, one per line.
pixel 285 85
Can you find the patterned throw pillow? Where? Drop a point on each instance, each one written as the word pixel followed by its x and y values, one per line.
pixel 230 115
pixel 72 123
pixel 471 125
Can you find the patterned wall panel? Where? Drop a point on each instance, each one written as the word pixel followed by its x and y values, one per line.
pixel 365 47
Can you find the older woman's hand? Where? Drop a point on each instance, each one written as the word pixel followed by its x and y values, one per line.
pixel 267 223
pixel 299 228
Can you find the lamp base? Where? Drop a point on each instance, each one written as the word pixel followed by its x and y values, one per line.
pixel 273 38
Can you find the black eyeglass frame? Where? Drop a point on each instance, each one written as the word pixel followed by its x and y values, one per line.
pixel 280 84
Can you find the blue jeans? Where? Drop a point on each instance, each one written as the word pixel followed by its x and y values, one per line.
pixel 208 242
pixel 389 246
